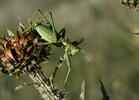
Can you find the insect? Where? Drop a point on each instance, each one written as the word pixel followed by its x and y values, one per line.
pixel 51 36
pixel 131 3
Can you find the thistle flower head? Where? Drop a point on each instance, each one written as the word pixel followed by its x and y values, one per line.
pixel 20 53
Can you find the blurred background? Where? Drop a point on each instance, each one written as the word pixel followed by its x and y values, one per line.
pixel 106 26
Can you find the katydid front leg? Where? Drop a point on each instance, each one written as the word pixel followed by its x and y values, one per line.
pixel 67 58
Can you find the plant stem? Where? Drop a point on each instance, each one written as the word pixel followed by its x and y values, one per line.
pixel 45 86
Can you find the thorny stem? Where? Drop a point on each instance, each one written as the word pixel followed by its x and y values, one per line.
pixel 46 87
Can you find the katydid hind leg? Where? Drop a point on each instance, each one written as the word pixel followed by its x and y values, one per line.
pixel 52 22
pixel 41 15
pixel 38 11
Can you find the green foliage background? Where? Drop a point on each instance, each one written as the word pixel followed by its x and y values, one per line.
pixel 106 26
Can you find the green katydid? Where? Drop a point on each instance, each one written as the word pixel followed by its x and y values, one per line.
pixel 51 36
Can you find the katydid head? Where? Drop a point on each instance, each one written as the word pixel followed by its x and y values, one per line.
pixel 73 47
pixel 74 51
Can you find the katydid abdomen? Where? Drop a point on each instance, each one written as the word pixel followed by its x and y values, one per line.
pixel 46 33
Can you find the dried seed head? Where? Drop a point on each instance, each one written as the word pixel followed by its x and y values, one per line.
pixel 19 53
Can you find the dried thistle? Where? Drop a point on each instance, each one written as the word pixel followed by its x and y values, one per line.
pixel 20 54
